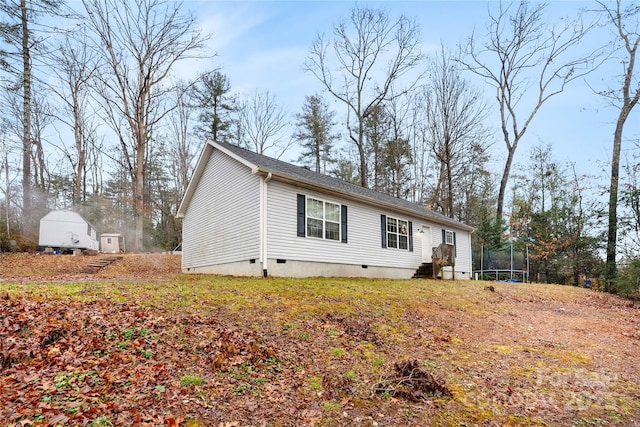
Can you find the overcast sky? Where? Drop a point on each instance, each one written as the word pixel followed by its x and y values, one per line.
pixel 261 45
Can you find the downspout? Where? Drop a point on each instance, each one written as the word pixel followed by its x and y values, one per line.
pixel 263 231
pixel 471 257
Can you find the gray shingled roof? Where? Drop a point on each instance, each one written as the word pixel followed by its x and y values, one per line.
pixel 282 169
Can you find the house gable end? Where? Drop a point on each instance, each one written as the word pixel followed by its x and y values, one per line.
pixel 203 160
pixel 221 221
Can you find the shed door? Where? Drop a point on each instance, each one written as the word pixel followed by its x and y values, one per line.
pixel 427 245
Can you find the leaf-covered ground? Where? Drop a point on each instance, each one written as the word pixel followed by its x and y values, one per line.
pixel 141 344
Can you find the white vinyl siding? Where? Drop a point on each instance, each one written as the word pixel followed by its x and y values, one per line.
pixel 363 247
pixel 240 218
pixel 463 251
pixel 462 243
pixel 222 222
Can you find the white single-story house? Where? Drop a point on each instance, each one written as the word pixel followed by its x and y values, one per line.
pixel 251 215
pixel 67 230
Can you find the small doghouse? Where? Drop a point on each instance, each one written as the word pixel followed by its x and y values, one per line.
pixel 112 243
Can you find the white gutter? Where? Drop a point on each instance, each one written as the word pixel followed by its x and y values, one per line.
pixel 263 222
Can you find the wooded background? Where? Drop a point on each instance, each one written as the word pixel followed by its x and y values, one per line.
pixel 95 118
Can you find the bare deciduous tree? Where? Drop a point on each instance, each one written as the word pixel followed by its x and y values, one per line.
pixel 9 188
pixel 397 152
pixel 261 122
pixel 368 56
pixel 19 35
pixel 423 162
pixel 527 62
pixel 388 150
pixel 140 41
pixel 183 151
pixel 75 67
pixel 40 117
pixel 377 131
pixel 42 114
pixel 454 117
pixel 625 23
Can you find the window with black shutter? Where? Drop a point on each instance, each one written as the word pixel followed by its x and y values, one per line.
pixel 321 219
pixel 396 233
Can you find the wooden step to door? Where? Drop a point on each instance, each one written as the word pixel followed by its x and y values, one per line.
pixel 425 271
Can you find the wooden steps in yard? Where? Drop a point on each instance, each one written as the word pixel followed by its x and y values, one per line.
pixel 99 264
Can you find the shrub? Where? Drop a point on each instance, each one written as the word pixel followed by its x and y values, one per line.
pixel 627 281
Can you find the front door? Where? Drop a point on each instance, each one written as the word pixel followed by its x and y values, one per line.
pixel 427 244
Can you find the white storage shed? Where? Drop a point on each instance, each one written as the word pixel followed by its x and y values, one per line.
pixel 66 229
pixel 112 243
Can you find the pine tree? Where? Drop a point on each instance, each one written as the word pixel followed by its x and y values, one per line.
pixel 211 97
pixel 314 133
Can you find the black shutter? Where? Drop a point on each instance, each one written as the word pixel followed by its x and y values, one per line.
pixel 383 230
pixel 410 236
pixel 455 247
pixel 444 237
pixel 343 218
pixel 301 215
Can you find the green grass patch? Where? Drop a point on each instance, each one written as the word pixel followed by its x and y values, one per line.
pixel 191 380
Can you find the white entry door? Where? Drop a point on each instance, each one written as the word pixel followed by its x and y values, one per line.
pixel 427 245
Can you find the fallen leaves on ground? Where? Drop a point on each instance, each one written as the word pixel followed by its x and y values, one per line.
pixel 37 267
pixel 134 345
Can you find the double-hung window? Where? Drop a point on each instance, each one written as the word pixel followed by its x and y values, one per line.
pixel 448 237
pixel 397 233
pixel 323 219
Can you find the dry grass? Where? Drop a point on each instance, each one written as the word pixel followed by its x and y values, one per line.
pixel 38 267
pixel 526 354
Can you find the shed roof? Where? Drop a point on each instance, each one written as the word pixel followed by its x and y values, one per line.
pixel 297 175
pixel 64 215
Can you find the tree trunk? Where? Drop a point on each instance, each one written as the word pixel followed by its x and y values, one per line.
pixel 505 179
pixel 79 184
pixel 364 170
pixel 139 196
pixel 7 194
pixel 39 165
pixel 449 211
pixel 612 228
pixel 629 101
pixel 26 123
pixel 437 199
